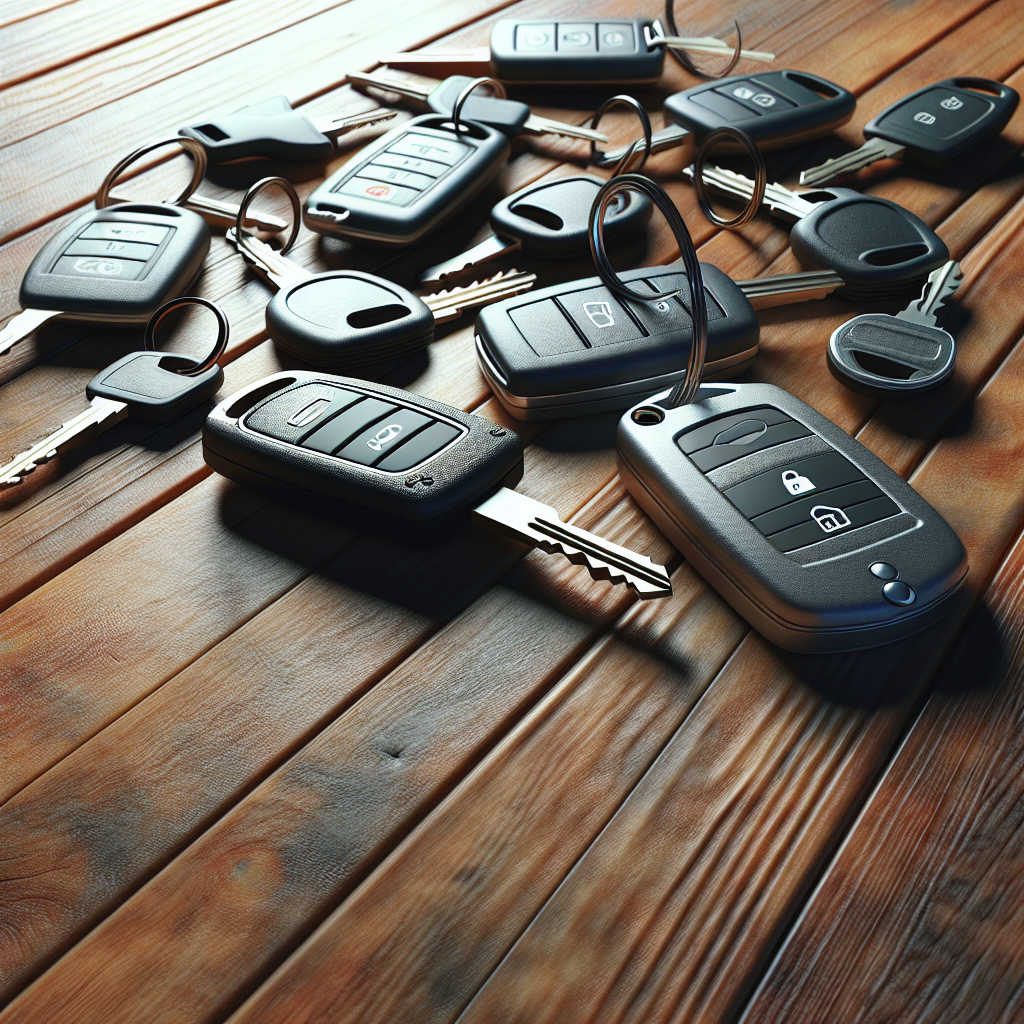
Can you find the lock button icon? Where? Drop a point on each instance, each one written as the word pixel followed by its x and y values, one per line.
pixel 795 483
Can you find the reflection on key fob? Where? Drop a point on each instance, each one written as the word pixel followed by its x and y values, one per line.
pixel 810 537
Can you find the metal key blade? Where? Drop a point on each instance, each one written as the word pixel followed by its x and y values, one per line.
pixel 332 127
pixel 483 252
pixel 451 304
pixel 667 138
pixel 840 166
pixel 386 83
pixel 102 414
pixel 220 212
pixel 22 325
pixel 537 124
pixel 466 62
pixel 706 44
pixel 783 289
pixel 777 198
pixel 525 519
pixel 281 270
pixel 941 284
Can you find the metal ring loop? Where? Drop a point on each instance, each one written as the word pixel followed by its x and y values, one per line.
pixel 760 176
pixel 623 166
pixel 191 146
pixel 460 101
pixel 223 331
pixel 685 390
pixel 254 190
pixel 683 59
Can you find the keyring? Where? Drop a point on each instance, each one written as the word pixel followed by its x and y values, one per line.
pixel 254 190
pixel 460 101
pixel 191 146
pixel 223 331
pixel 684 391
pixel 623 165
pixel 683 58
pixel 760 176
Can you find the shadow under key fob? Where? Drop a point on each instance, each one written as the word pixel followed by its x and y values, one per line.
pixel 814 540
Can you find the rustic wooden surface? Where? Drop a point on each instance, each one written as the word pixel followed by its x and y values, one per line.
pixel 255 766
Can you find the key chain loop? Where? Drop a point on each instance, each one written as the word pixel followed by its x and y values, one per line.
pixel 760 176
pixel 624 165
pixel 683 59
pixel 191 146
pixel 460 101
pixel 685 390
pixel 223 331
pixel 240 235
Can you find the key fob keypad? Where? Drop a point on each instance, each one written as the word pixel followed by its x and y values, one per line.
pixel 404 184
pixel 119 263
pixel 575 348
pixel 376 457
pixel 807 534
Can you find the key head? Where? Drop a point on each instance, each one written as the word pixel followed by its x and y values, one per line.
pixel 346 318
pixel 268 129
pixel 795 523
pixel 775 108
pixel 886 357
pixel 118 264
pixel 876 246
pixel 576 349
pixel 373 456
pixel 407 182
pixel 147 382
pixel 507 116
pixel 547 51
pixel 552 219
pixel 947 120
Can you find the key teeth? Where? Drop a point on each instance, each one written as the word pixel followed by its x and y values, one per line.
pixel 602 571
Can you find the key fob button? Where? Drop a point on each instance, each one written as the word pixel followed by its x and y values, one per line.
pixel 545 328
pixel 103 267
pixel 719 454
pixel 755 97
pixel 898 593
pixel 883 570
pixel 395 176
pixel 337 432
pixel 616 37
pixel 827 520
pixel 430 147
pixel 704 436
pixel 771 490
pixel 382 437
pixel 577 38
pixel 535 38
pixel 121 231
pixel 419 448
pixel 410 163
pixel 122 250
pixel 730 110
pixel 378 191
pixel 298 412
pixel 799 511
pixel 599 317
pixel 942 113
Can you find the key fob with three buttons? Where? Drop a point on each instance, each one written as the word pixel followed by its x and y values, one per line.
pixel 808 535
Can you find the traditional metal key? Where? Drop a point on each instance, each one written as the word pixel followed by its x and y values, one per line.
pixel 151 386
pixel 273 129
pixel 932 127
pixel 508 116
pixel 901 356
pixel 392 462
pixel 878 248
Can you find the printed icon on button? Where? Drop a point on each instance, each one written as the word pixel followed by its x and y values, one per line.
pixel 924 117
pixel 94 266
pixel 576 38
pixel 600 314
pixel 951 103
pixel 614 39
pixel 743 92
pixel 795 483
pixel 763 99
pixel 384 436
pixel 830 519
pixel 536 38
pixel 377 191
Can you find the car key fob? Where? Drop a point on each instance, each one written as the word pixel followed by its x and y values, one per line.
pixel 576 349
pixel 373 456
pixel 407 182
pixel 815 541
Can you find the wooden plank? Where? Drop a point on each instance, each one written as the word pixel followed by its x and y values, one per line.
pixel 18 10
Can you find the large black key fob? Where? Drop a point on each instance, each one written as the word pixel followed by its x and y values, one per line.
pixel 575 348
pixel 776 108
pixel 373 456
pixel 815 541
pixel 404 184
pixel 118 264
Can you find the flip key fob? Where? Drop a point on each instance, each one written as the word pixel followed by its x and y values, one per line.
pixel 576 349
pixel 811 538
pixel 373 456
pixel 407 182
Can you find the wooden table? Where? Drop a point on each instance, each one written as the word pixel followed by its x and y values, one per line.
pixel 257 767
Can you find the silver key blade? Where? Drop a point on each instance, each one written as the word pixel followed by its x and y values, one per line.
pixel 840 166
pixel 786 288
pixel 23 324
pixel 387 83
pixel 332 127
pixel 941 284
pixel 667 138
pixel 525 519
pixel 281 270
pixel 102 414
pixel 465 62
pixel 777 198
pixel 706 44
pixel 540 125
pixel 220 212
pixel 483 252
pixel 451 304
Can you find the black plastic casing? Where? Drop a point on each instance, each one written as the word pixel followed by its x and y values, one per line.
pixel 507 116
pixel 351 216
pixel 176 263
pixel 610 377
pixel 820 107
pixel 472 468
pixel 327 320
pixel 821 597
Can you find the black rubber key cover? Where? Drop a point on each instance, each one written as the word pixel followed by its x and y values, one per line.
pixel 152 390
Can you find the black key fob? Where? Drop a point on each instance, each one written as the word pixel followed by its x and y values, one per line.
pixel 373 456
pixel 775 108
pixel 118 264
pixel 815 541
pixel 153 387
pixel 576 349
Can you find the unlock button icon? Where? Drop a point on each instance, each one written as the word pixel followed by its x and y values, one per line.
pixel 795 483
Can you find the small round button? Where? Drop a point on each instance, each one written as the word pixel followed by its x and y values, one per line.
pixel 884 571
pixel 897 592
